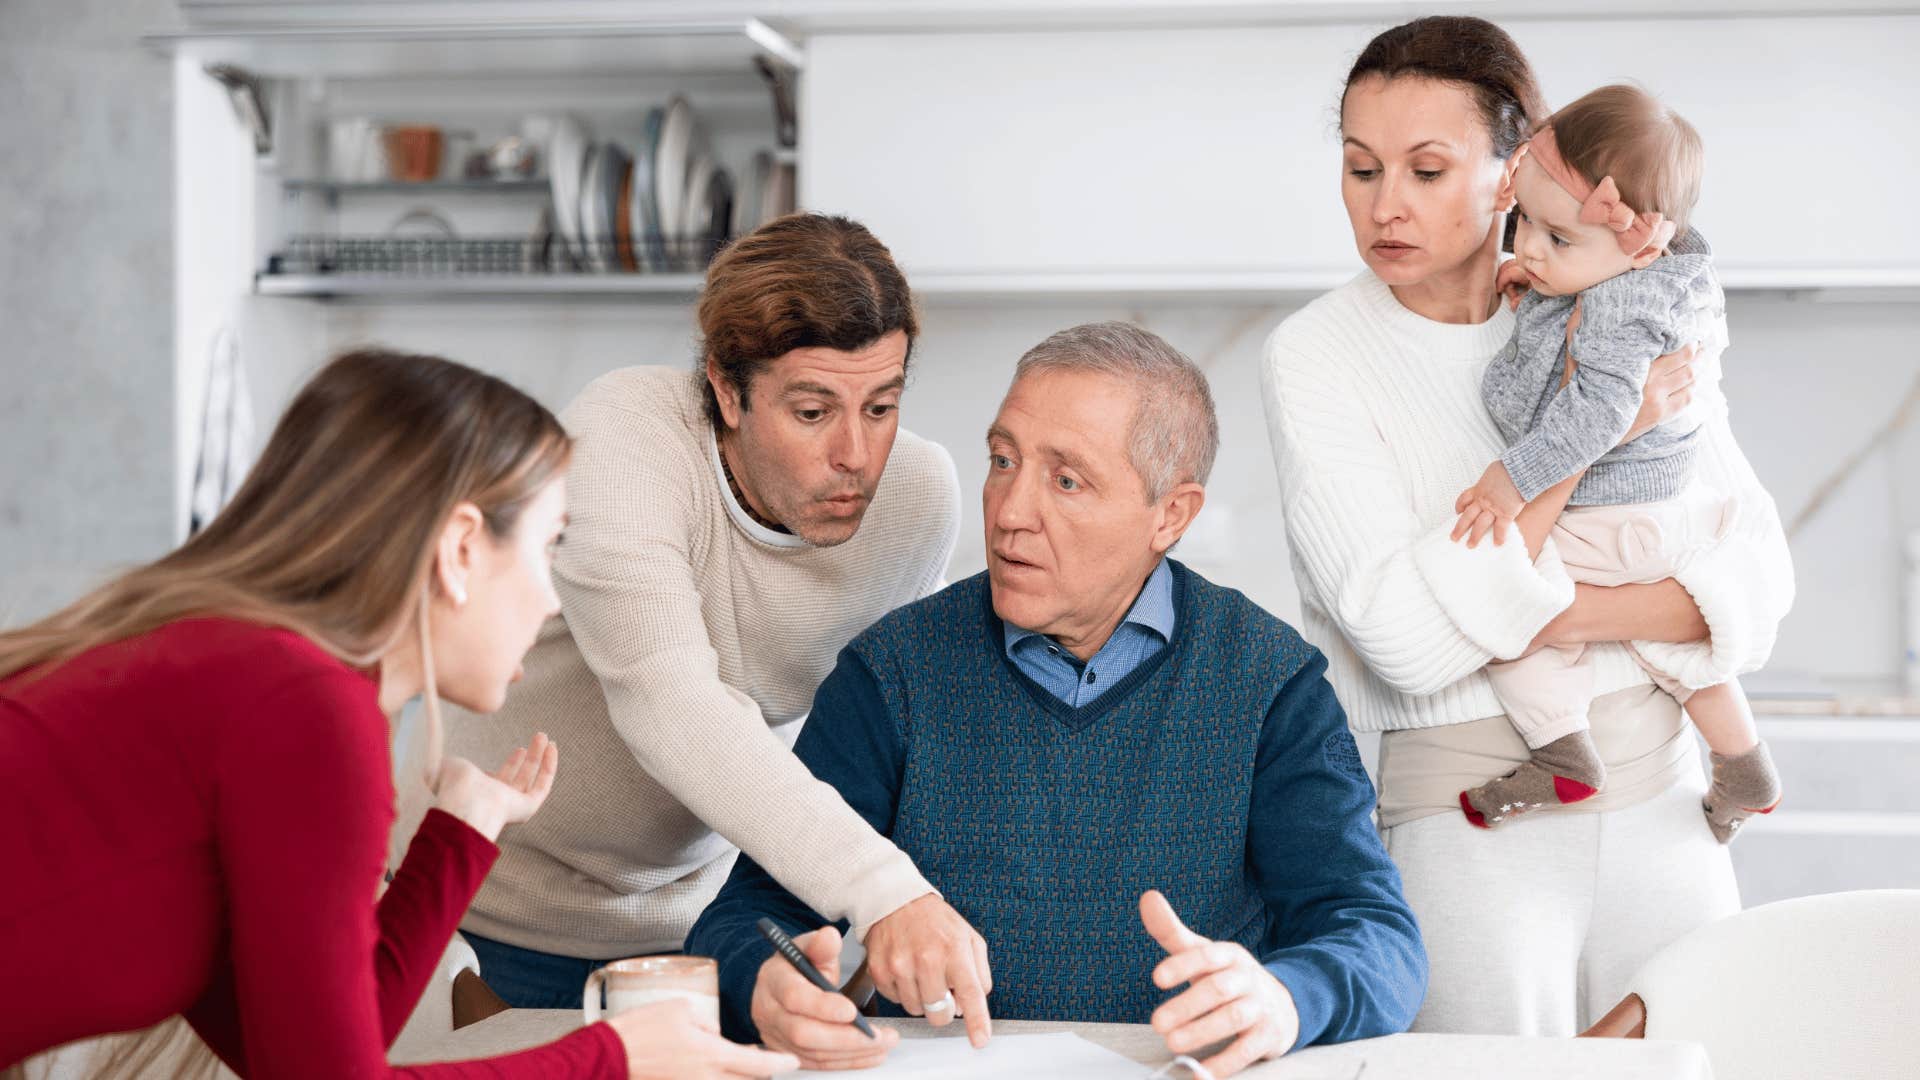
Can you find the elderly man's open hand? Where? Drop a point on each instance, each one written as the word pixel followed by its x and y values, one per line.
pixel 1230 997
pixel 929 960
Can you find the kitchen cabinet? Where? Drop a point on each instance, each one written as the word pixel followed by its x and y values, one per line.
pixel 255 200
pixel 1206 160
pixel 314 95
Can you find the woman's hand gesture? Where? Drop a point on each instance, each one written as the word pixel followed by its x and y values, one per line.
pixel 490 802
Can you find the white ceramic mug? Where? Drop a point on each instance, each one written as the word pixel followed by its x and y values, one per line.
pixel 354 151
pixel 644 980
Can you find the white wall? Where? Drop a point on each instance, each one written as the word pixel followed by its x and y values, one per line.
pixel 86 358
pixel 1808 381
pixel 214 209
pixel 1810 384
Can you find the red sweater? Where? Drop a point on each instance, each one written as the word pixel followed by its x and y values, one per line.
pixel 195 821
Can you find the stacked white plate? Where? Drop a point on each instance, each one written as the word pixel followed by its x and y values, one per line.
pixel 696 214
pixel 648 236
pixel 680 204
pixel 566 162
pixel 588 241
pixel 672 162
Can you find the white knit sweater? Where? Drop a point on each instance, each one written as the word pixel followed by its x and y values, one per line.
pixel 1377 426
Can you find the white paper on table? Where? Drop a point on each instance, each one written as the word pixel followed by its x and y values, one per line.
pixel 1058 1056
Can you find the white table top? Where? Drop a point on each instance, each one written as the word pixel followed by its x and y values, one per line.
pixel 1396 1057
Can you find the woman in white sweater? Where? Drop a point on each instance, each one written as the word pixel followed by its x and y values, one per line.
pixel 1373 403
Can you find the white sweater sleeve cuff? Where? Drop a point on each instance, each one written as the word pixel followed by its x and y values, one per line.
pixel 1492 593
pixel 882 889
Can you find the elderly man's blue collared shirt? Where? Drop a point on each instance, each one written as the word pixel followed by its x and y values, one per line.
pixel 1139 637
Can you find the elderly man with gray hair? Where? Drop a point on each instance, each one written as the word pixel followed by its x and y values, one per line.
pixel 1086 738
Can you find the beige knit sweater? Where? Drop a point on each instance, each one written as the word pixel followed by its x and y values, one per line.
pixel 688 649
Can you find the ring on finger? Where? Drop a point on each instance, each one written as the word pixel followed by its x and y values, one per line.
pixel 943 1005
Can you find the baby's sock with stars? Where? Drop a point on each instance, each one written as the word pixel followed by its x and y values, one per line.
pixel 1566 770
pixel 1743 785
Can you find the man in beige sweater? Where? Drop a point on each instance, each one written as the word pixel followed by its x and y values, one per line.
pixel 730 531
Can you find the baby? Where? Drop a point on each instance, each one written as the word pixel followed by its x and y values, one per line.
pixel 1615 279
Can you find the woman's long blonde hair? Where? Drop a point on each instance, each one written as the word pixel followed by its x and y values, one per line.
pixel 332 534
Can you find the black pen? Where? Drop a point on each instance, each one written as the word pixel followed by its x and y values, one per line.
pixel 784 945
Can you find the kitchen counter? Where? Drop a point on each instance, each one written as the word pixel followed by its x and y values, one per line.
pixel 1791 695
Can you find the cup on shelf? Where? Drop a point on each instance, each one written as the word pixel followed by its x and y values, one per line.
pixel 355 151
pixel 457 146
pixel 413 151
pixel 512 158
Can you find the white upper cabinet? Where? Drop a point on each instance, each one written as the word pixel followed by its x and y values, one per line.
pixel 1135 154
pixel 480 49
pixel 400 157
pixel 1207 159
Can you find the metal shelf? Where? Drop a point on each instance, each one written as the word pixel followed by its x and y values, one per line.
pixel 478 286
pixel 422 187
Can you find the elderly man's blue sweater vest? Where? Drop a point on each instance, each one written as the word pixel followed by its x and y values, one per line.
pixel 1043 824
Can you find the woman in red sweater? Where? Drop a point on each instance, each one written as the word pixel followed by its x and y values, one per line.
pixel 194 758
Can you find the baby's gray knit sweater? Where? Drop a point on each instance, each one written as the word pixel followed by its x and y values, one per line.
pixel 1626 322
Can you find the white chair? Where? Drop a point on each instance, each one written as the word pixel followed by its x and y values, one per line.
pixel 171 1051
pixel 1805 989
pixel 453 999
pixel 167 1051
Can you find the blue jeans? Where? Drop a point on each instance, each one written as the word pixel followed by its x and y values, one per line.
pixel 529 978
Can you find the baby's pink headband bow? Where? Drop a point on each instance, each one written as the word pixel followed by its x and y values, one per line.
pixel 1599 203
